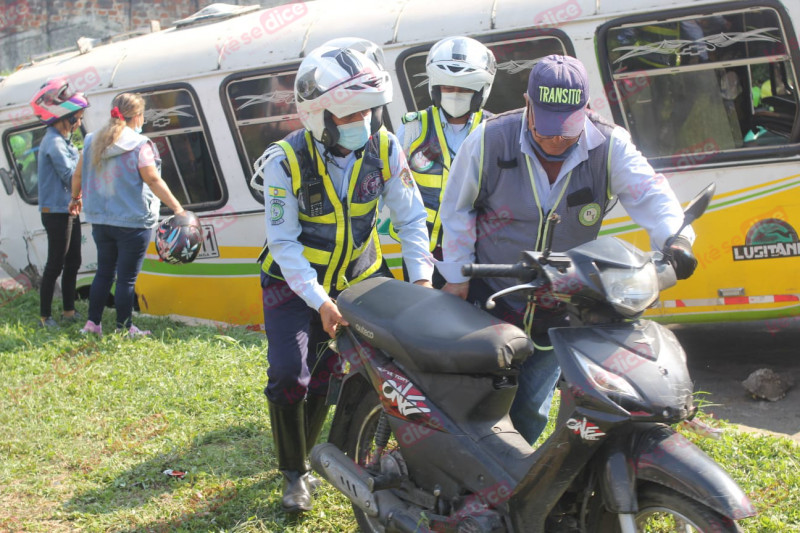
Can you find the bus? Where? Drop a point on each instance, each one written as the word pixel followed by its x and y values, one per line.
pixel 708 91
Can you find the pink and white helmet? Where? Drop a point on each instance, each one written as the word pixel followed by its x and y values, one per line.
pixel 56 100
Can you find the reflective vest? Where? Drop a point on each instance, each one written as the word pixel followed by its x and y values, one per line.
pixel 429 160
pixel 510 218
pixel 339 238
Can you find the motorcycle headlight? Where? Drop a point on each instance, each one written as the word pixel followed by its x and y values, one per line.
pixel 630 291
pixel 605 380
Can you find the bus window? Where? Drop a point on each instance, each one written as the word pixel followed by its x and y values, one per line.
pixel 706 84
pixel 22 149
pixel 264 112
pixel 515 58
pixel 173 122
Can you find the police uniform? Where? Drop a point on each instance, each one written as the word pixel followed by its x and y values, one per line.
pixel 321 214
pixel 496 205
pixel 430 143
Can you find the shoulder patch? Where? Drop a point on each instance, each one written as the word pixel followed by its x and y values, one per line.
pixel 410 117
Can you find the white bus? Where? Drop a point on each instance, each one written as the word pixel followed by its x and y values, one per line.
pixel 708 90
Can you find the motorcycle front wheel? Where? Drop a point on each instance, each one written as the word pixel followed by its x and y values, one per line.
pixel 662 510
pixel 360 445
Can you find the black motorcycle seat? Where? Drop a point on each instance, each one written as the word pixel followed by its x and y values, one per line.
pixel 430 330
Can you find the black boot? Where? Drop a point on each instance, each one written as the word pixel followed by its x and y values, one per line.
pixel 316 414
pixel 289 436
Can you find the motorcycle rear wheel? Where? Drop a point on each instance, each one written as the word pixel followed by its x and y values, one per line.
pixel 360 446
pixel 663 510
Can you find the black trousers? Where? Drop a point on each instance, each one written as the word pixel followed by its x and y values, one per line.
pixel 63 255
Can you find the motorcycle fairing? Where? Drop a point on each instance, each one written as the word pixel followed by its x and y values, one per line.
pixel 431 331
pixel 641 352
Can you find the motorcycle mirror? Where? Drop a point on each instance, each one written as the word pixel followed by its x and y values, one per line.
pixel 697 206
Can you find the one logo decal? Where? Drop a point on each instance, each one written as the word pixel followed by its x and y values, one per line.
pixel 406 403
pixel 585 429
pixel 768 239
pixel 589 214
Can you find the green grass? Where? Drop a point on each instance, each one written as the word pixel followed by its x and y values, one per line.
pixel 87 426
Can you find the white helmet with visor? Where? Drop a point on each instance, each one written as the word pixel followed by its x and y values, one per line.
pixel 341 80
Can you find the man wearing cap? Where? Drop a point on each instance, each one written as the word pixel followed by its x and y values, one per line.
pixel 517 168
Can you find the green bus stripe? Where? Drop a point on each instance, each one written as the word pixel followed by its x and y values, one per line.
pixel 754 195
pixel 712 207
pixel 202 268
pixel 394 262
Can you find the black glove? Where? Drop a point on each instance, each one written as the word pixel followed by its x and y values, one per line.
pixel 679 253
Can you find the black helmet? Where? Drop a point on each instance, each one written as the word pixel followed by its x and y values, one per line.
pixel 178 238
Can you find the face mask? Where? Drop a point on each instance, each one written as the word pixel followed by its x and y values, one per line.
pixel 456 104
pixel 138 129
pixel 355 134
pixel 549 157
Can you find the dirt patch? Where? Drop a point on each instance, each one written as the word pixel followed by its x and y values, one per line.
pixel 721 356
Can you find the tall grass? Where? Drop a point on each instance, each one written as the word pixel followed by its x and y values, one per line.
pixel 88 426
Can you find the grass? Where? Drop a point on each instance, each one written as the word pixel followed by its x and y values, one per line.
pixel 87 427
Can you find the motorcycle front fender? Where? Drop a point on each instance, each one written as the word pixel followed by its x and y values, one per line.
pixel 353 389
pixel 661 455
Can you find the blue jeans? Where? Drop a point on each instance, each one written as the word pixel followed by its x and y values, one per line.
pixel 121 251
pixel 537 382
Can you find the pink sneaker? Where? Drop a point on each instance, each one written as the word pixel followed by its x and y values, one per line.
pixel 136 332
pixel 91 327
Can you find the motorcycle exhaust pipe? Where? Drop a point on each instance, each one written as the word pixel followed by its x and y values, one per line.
pixel 349 478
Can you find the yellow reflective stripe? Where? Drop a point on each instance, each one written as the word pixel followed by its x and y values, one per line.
pixel 294 166
pixel 315 256
pixel 423 119
pixel 445 150
pixel 330 218
pixel 344 230
pixel 431 214
pixel 359 210
pixel 429 180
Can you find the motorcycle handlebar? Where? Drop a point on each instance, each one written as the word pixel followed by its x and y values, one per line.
pixel 517 270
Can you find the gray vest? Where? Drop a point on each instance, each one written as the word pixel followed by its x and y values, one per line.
pixel 510 218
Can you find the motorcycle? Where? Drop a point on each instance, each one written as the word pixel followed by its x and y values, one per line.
pixel 421 439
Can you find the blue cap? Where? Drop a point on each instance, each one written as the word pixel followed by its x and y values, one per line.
pixel 558 88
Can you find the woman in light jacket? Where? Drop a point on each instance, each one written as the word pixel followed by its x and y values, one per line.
pixel 56 105
pixel 118 185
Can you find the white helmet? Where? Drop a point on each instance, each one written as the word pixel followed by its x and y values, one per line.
pixel 339 80
pixel 461 62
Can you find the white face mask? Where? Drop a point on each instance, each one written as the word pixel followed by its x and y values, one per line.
pixel 355 134
pixel 456 104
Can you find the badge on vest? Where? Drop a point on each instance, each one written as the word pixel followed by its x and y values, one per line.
pixel 590 214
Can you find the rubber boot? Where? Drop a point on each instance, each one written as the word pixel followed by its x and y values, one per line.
pixel 316 414
pixel 289 436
